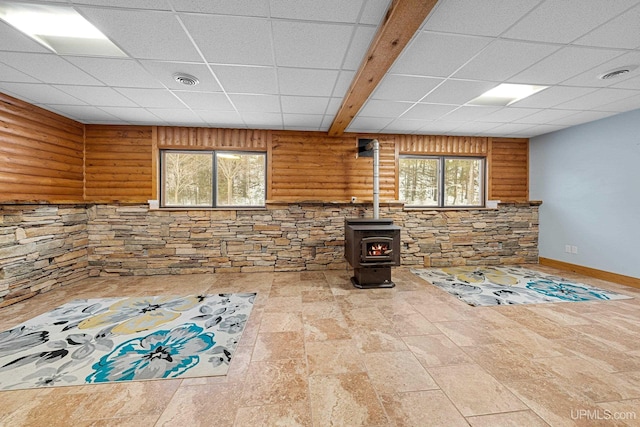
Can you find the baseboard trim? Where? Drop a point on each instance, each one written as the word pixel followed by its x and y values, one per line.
pixel 591 272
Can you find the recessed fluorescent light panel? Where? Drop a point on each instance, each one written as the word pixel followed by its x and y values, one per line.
pixel 506 94
pixel 59 28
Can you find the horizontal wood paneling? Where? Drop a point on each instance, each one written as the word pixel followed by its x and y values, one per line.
pixel 118 163
pixel 41 154
pixel 509 169
pixel 442 144
pixel 314 166
pixel 210 138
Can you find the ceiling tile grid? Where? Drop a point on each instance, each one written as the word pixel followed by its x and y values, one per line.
pixel 287 64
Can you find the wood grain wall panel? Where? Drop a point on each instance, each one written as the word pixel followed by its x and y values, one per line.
pixel 314 166
pixel 509 169
pixel 212 138
pixel 442 144
pixel 118 163
pixel 41 154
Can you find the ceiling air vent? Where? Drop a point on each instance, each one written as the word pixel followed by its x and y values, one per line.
pixel 186 79
pixel 617 73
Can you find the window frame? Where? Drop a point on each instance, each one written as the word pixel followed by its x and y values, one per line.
pixel 441 180
pixel 214 178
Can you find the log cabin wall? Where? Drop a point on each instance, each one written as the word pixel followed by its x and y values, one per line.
pixel 41 154
pixel 509 169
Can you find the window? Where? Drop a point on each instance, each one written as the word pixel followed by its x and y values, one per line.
pixel 440 181
pixel 212 178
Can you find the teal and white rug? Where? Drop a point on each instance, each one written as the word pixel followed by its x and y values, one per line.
pixel 125 339
pixel 481 286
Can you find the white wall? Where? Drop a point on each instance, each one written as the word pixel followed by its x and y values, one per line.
pixel 588 178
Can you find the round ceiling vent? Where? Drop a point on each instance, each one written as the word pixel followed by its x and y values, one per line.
pixel 613 74
pixel 186 79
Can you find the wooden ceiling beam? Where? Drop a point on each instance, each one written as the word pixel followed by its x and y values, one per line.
pixel 402 20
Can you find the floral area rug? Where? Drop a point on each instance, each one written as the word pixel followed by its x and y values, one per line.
pixel 124 339
pixel 482 286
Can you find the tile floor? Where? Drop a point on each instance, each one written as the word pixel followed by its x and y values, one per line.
pixel 319 352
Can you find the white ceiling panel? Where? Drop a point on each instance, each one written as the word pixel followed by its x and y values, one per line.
pixel 504 58
pixel 313 10
pixel 306 82
pixel 231 39
pixel 485 18
pixel 563 21
pixel 404 88
pixel 281 64
pixel 438 55
pixel 310 45
pixel 240 79
pixel 144 34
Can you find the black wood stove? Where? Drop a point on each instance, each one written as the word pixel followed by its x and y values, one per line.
pixel 372 247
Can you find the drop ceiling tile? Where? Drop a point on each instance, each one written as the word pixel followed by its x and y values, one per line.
pixel 545 116
pixel 438 128
pixel 116 71
pixel 333 107
pixel 306 82
pixel 422 111
pixel 403 126
pixel 133 115
pixel 263 120
pixel 594 100
pixel 258 8
pixel 304 104
pixel 458 91
pixel 51 68
pixel 368 124
pixel 510 114
pixel 9 74
pixel 313 10
pixel 84 113
pixel 302 121
pixel 504 58
pixel 226 39
pixel 539 130
pixel 627 104
pixel 179 116
pixel 631 83
pixel 378 108
pixel 510 129
pixel 404 88
pixel 39 93
pixel 152 98
pixel 164 71
pixel 15 41
pixel 239 79
pixel 98 96
pixel 552 96
pixel 486 18
pixel 620 32
pixel 223 119
pixel 591 78
pixel 469 113
pixel 373 11
pixel 256 103
pixel 343 83
pixel 581 117
pixel 133 4
pixel 144 34
pixel 437 55
pixel 563 21
pixel 564 64
pixel 214 101
pixel 310 45
pixel 475 128
pixel 358 47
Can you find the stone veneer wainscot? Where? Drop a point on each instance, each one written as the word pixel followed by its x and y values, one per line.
pixel 46 246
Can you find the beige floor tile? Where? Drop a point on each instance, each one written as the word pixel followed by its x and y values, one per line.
pixel 291 415
pixel 506 362
pixel 377 340
pixel 422 408
pixel 275 382
pixel 508 419
pixel 333 357
pixel 529 343
pixel 323 329
pixel 413 324
pixel 436 350
pixel 468 332
pixel 280 322
pixel 397 372
pixel 443 312
pixel 625 411
pixel 345 400
pixel 601 355
pixel 278 345
pixel 473 391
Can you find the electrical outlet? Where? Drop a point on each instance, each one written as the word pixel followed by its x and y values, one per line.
pixel 567 248
pixel 574 249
